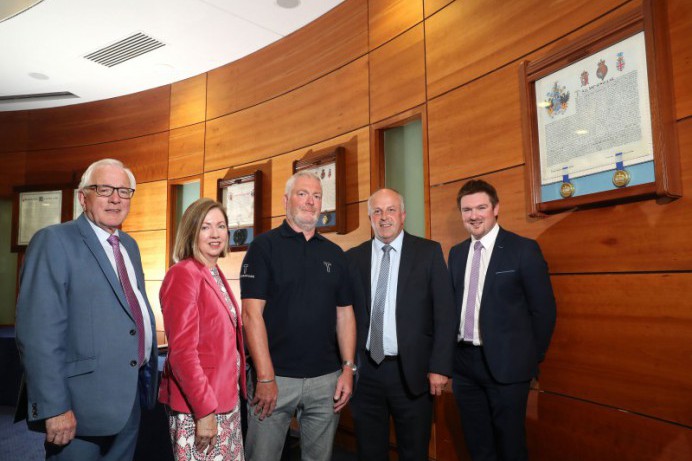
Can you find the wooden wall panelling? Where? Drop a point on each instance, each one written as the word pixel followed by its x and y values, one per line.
pixel 357 147
pixel 147 156
pixel 14 131
pixel 210 185
pixel 120 118
pixel 148 210
pixel 291 62
pixel 152 288
pixel 12 172
pixel 680 30
pixel 152 246
pixel 332 105
pixel 389 18
pixel 468 39
pixel 397 75
pixel 621 238
pixel 449 441
pixel 230 264
pixel 567 429
pixel 188 101
pixel 573 430
pixel 620 340
pixel 476 128
pixel 433 6
pixel 359 227
pixel 186 151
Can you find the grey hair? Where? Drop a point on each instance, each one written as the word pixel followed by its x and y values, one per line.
pixel 86 177
pixel 401 199
pixel 300 174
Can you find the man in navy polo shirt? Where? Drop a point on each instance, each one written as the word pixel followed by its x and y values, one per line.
pixel 300 329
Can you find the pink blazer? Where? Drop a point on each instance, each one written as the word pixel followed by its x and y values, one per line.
pixel 200 374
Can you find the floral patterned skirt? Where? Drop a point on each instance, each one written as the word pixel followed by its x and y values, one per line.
pixel 229 442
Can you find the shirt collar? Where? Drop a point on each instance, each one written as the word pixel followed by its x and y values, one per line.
pixel 488 240
pixel 287 231
pixel 396 244
pixel 101 234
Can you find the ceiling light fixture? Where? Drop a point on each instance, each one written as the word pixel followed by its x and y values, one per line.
pixel 38 76
pixel 288 3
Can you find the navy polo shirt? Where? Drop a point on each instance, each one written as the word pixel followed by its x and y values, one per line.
pixel 303 282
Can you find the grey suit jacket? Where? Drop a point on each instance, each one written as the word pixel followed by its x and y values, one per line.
pixel 75 332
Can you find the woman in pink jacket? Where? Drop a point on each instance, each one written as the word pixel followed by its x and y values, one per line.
pixel 204 372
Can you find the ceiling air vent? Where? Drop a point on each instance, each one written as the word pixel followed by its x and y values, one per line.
pixel 124 50
pixel 36 97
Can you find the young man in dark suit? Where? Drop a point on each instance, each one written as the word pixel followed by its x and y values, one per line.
pixel 505 317
pixel 405 322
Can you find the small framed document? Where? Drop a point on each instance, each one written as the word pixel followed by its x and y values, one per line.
pixel 36 207
pixel 76 206
pixel 598 118
pixel 330 168
pixel 240 193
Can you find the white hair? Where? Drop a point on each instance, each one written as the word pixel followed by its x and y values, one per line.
pixel 86 177
pixel 300 174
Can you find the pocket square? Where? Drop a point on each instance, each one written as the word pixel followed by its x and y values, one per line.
pixel 505 272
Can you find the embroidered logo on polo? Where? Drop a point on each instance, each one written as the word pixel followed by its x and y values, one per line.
pixel 245 274
pixel 327 265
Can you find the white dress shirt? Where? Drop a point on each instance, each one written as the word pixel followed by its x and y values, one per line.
pixel 389 330
pixel 488 242
pixel 102 236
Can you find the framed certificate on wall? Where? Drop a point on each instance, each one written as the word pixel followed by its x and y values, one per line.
pixel 36 207
pixel 240 193
pixel 330 168
pixel 598 118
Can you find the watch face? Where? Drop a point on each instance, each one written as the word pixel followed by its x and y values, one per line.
pixel 350 365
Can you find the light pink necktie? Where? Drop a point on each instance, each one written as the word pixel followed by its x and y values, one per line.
pixel 469 318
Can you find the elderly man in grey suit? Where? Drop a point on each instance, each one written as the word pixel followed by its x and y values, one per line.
pixel 84 326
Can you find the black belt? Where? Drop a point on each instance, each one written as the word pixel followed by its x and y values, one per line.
pixel 390 358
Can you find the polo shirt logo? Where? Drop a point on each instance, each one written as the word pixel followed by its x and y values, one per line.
pixel 328 265
pixel 245 274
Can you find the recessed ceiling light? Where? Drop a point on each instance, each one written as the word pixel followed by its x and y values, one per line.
pixel 38 76
pixel 288 3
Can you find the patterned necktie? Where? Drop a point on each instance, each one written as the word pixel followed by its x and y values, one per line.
pixel 469 318
pixel 377 324
pixel 129 294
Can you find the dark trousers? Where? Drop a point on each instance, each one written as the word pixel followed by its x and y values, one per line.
pixel 492 414
pixel 118 447
pixel 381 393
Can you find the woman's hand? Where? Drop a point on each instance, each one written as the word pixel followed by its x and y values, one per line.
pixel 205 432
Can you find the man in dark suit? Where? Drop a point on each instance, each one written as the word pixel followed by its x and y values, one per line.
pixel 85 329
pixel 505 317
pixel 405 322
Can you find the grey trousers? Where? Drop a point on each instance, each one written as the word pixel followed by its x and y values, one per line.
pixel 312 401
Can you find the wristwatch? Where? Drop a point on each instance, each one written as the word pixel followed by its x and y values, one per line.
pixel 349 364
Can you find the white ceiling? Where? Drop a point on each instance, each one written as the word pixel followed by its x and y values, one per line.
pixel 53 37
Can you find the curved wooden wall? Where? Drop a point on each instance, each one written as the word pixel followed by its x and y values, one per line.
pixel 617 382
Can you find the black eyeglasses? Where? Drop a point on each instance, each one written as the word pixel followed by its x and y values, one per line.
pixel 106 191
